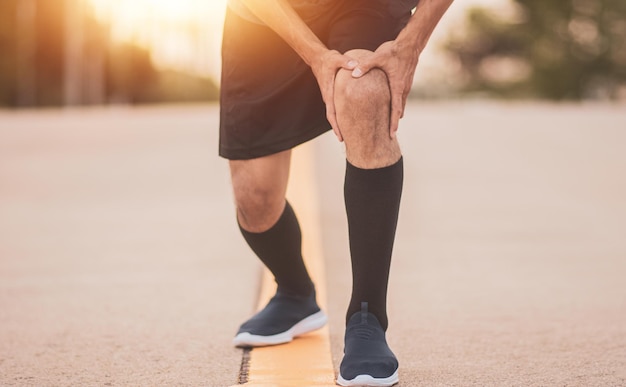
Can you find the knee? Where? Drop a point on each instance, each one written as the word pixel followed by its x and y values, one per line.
pixel 369 92
pixel 362 106
pixel 259 187
pixel 258 208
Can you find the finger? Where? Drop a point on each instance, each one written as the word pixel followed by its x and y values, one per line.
pixel 363 67
pixel 332 118
pixel 351 64
pixel 405 97
pixel 342 60
pixel 407 90
pixel 396 113
pixel 331 114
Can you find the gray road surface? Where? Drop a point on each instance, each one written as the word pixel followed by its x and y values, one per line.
pixel 120 261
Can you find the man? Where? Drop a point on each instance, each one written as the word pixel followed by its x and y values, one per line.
pixel 293 69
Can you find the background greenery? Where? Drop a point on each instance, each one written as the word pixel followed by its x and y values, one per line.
pixel 552 49
pixel 544 49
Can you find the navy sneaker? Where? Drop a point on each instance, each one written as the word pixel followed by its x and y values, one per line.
pixel 367 360
pixel 285 316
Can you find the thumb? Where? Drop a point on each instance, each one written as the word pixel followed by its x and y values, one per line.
pixel 350 64
pixel 363 68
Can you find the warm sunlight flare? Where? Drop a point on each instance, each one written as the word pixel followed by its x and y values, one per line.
pixel 181 34
pixel 186 34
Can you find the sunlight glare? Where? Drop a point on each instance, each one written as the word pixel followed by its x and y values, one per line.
pixel 180 34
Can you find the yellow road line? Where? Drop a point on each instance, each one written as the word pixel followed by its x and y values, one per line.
pixel 307 360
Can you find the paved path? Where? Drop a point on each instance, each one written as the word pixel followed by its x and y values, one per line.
pixel 510 262
pixel 120 262
pixel 118 257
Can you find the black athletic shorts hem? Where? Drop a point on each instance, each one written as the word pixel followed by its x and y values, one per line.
pixel 253 152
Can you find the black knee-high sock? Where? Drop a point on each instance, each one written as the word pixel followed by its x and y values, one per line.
pixel 280 249
pixel 372 203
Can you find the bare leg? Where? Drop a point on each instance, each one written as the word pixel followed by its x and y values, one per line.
pixel 363 116
pixel 260 186
pixel 270 227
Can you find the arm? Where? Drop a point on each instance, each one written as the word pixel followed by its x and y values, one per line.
pixel 281 17
pixel 398 58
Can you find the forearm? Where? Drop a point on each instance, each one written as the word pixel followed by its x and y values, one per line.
pixel 280 16
pixel 422 24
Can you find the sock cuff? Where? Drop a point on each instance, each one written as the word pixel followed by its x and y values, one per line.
pixel 285 217
pixel 397 163
pixel 379 178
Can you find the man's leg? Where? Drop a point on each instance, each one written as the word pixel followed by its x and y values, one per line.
pixel 271 229
pixel 373 186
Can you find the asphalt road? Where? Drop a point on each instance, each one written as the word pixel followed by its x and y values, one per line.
pixel 121 263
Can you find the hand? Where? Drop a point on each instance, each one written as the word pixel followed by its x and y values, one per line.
pixel 325 69
pixel 399 63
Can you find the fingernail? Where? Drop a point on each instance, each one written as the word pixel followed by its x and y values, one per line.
pixel 352 63
pixel 357 72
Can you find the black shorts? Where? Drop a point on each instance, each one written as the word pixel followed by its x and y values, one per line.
pixel 270 101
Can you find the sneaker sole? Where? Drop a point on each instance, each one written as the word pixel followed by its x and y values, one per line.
pixel 367 380
pixel 309 324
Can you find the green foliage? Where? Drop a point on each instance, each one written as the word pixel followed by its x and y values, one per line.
pixel 555 49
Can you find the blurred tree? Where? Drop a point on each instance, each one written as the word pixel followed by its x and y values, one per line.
pixel 26 47
pixel 31 42
pixel 555 49
pixel 8 49
pixel 50 45
pixel 175 86
pixel 47 59
pixel 130 73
